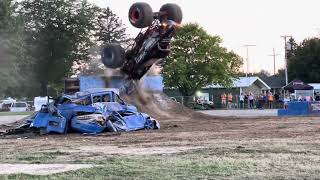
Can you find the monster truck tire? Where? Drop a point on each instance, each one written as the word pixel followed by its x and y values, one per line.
pixel 140 15
pixel 113 56
pixel 172 12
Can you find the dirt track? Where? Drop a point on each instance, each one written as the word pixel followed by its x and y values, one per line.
pixel 177 135
pixel 188 133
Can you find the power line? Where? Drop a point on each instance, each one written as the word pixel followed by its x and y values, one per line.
pixel 274 60
pixel 285 56
pixel 247 59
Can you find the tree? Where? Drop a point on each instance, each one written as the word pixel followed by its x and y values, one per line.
pixel 291 47
pixel 197 59
pixel 58 33
pixel 304 63
pixel 109 27
pixel 10 40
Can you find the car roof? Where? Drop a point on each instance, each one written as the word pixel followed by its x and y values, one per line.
pixel 95 91
pixel 101 90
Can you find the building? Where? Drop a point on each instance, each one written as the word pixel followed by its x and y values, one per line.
pixel 244 85
pixel 212 92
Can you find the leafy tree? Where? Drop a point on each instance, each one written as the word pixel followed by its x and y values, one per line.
pixel 6 15
pixel 197 59
pixel 109 27
pixel 62 33
pixel 10 41
pixel 263 74
pixel 59 33
pixel 292 47
pixel 304 62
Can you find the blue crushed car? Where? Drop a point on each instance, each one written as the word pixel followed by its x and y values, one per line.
pixel 93 111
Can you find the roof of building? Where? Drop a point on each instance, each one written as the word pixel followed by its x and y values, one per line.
pixel 275 81
pixel 315 85
pixel 242 82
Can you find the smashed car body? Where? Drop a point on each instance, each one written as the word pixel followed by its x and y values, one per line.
pixel 93 111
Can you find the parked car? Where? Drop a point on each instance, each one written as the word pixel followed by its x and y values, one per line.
pixel 5 104
pixel 19 107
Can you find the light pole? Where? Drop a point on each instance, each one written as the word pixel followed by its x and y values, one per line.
pixel 274 60
pixel 247 59
pixel 285 56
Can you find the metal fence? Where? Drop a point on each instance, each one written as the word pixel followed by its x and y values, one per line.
pixel 196 102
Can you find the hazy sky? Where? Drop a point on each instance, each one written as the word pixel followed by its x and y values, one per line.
pixel 240 22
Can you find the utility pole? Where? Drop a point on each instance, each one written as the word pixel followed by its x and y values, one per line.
pixel 247 59
pixel 285 56
pixel 274 60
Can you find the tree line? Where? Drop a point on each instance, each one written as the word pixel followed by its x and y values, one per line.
pixel 41 40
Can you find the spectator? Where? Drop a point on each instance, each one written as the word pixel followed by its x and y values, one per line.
pixel 270 100
pixel 241 100
pixel 260 102
pixel 317 96
pixel 265 100
pixel 276 97
pixel 223 100
pixel 230 100
pixel 246 99
pixel 308 98
pixel 286 100
pixel 251 99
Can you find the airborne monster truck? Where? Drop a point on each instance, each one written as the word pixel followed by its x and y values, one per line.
pixel 150 45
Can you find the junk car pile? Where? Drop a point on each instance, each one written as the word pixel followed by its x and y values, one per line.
pixel 93 111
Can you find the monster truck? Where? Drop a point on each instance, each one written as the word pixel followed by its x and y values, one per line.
pixel 151 44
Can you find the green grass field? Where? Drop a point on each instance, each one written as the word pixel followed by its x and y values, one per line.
pixel 258 160
pixel 16 113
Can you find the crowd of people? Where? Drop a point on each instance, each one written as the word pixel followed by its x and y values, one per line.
pixel 249 100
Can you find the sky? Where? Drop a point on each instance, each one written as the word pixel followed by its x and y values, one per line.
pixel 241 22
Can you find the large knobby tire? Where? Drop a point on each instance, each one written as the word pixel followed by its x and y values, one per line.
pixel 171 12
pixel 113 56
pixel 140 15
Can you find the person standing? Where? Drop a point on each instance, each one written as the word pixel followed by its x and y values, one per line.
pixel 270 100
pixel 241 100
pixel 223 100
pixel 265 100
pixel 230 100
pixel 251 98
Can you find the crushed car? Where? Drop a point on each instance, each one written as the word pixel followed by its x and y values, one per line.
pixel 92 111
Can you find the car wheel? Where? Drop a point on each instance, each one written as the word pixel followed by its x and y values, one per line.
pixel 171 12
pixel 149 124
pixel 156 124
pixel 113 56
pixel 140 15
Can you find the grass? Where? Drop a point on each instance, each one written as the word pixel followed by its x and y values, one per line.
pixel 39 157
pixel 16 113
pixel 223 160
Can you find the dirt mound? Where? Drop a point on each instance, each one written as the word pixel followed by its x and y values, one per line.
pixel 160 106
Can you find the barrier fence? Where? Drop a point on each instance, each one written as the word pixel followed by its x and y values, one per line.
pixel 196 102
